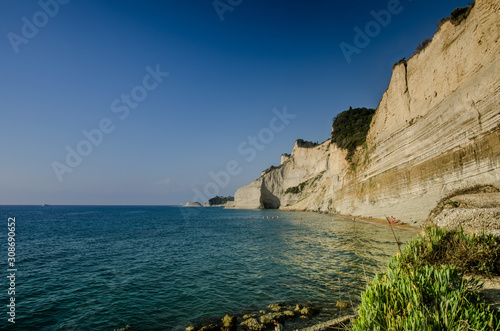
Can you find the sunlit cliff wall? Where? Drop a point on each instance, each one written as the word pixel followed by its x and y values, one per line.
pixel 436 130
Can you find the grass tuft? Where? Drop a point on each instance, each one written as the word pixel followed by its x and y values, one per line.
pixel 472 254
pixel 424 287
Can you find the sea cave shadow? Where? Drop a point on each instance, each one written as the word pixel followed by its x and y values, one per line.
pixel 269 200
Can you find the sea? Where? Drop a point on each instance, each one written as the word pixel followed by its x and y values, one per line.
pixel 169 267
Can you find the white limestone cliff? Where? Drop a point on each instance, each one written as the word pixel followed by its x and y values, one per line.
pixel 436 130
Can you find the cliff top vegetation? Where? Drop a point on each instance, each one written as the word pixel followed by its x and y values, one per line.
pixel 457 16
pixel 350 128
pixel 217 200
pixel 306 144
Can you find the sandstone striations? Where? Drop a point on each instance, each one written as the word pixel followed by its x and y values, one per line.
pixel 435 131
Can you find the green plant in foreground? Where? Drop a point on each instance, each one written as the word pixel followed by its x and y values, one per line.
pixel 428 298
pixel 419 291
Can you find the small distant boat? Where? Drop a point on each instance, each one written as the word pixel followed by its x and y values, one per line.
pixel 44 205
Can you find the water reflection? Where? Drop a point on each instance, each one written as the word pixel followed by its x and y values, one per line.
pixel 335 256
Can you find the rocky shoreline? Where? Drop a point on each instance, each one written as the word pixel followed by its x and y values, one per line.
pixel 475 211
pixel 306 316
pixel 293 316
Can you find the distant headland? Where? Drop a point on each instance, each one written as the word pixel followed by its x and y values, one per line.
pixel 217 201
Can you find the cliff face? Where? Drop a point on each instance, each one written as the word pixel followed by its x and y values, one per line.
pixel 311 173
pixel 436 130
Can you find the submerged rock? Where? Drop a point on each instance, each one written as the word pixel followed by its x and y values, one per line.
pixel 229 323
pixel 275 306
pixel 341 304
pixel 309 311
pixel 253 324
pixel 298 308
pixel 268 319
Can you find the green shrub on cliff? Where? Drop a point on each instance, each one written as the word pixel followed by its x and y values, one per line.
pixel 422 45
pixel 217 200
pixel 350 128
pixel 294 189
pixel 424 288
pixel 306 144
pixel 458 15
pixel 311 181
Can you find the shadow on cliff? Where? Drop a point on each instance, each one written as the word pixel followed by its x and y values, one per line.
pixel 269 200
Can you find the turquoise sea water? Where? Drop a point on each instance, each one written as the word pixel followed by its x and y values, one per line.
pixel 165 268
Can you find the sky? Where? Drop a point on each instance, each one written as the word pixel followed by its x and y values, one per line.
pixel 133 102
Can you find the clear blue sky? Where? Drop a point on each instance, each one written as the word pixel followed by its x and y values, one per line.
pixel 76 65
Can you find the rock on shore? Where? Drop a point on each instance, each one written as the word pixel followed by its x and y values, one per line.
pixel 263 320
pixel 475 212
